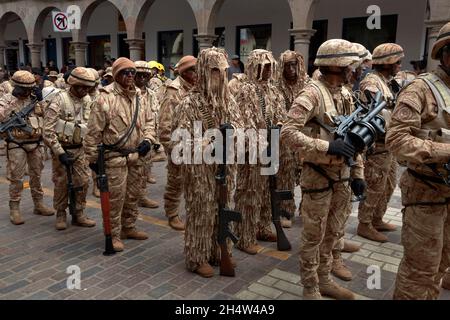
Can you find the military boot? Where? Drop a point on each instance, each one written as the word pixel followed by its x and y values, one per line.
pixel 328 287
pixel 446 281
pixel 61 220
pixel 380 225
pixel 132 233
pixel 82 220
pixel 41 209
pixel 366 230
pixel 251 249
pixel 268 236
pixel 311 293
pixel 286 223
pixel 151 179
pixel 205 270
pixel 340 270
pixel 176 223
pixel 14 213
pixel 117 244
pixel 350 247
pixel 148 203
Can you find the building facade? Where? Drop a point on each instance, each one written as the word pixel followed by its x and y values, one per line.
pixel 165 30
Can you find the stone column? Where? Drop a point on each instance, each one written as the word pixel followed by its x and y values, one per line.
pixel 205 41
pixel 80 53
pixel 301 41
pixel 136 49
pixel 433 30
pixel 35 50
pixel 2 56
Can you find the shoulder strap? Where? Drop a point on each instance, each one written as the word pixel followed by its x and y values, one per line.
pixel 206 115
pixel 127 134
pixel 262 105
pixel 440 91
pixel 325 95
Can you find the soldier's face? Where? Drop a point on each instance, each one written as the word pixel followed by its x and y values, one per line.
pixel 290 70
pixel 396 67
pixel 190 75
pixel 267 70
pixel 22 92
pixel 141 79
pixel 79 91
pixel 126 78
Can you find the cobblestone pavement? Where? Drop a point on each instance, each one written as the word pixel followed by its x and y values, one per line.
pixel 34 258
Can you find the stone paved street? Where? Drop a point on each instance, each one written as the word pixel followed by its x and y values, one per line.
pixel 34 258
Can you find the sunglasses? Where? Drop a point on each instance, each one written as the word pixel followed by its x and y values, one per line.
pixel 128 72
pixel 399 62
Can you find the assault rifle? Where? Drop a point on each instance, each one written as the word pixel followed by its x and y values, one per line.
pixel 225 215
pixel 276 196
pixel 72 190
pixel 18 120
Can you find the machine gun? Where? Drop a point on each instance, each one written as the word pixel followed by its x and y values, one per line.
pixel 18 119
pixel 225 215
pixel 362 127
pixel 276 196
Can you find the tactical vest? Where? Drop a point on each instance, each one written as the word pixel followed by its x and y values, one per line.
pixel 34 121
pixel 327 112
pixel 71 128
pixel 438 129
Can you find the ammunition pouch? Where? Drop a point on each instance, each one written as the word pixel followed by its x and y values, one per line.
pixel 70 133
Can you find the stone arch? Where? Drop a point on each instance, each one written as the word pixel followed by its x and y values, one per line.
pixel 39 23
pixel 7 18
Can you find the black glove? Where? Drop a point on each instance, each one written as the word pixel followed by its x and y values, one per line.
pixel 94 167
pixel 65 159
pixel 144 148
pixel 38 94
pixel 156 147
pixel 358 186
pixel 341 148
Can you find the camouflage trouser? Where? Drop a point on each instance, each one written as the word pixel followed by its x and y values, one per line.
pixel 201 216
pixel 252 200
pixel 18 159
pixel 287 176
pixel 380 172
pixel 425 238
pixel 80 177
pixel 323 215
pixel 174 189
pixel 126 185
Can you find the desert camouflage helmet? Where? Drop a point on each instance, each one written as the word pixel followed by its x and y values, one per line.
pixel 442 40
pixel 142 66
pixel 336 53
pixel 82 77
pixel 387 53
pixel 362 52
pixel 23 78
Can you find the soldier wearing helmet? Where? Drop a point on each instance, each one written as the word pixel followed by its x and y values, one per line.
pixel 326 190
pixel 155 82
pixel 419 134
pixel 380 165
pixel 65 124
pixel 24 149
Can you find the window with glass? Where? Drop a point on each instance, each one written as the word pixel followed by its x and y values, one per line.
pixel 253 37
pixel 170 49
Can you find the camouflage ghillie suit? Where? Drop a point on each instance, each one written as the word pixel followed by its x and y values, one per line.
pixel 209 103
pixel 252 190
pixel 419 134
pixel 236 83
pixel 290 164
pixel 111 116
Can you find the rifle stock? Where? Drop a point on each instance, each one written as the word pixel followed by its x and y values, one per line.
pixel 102 181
